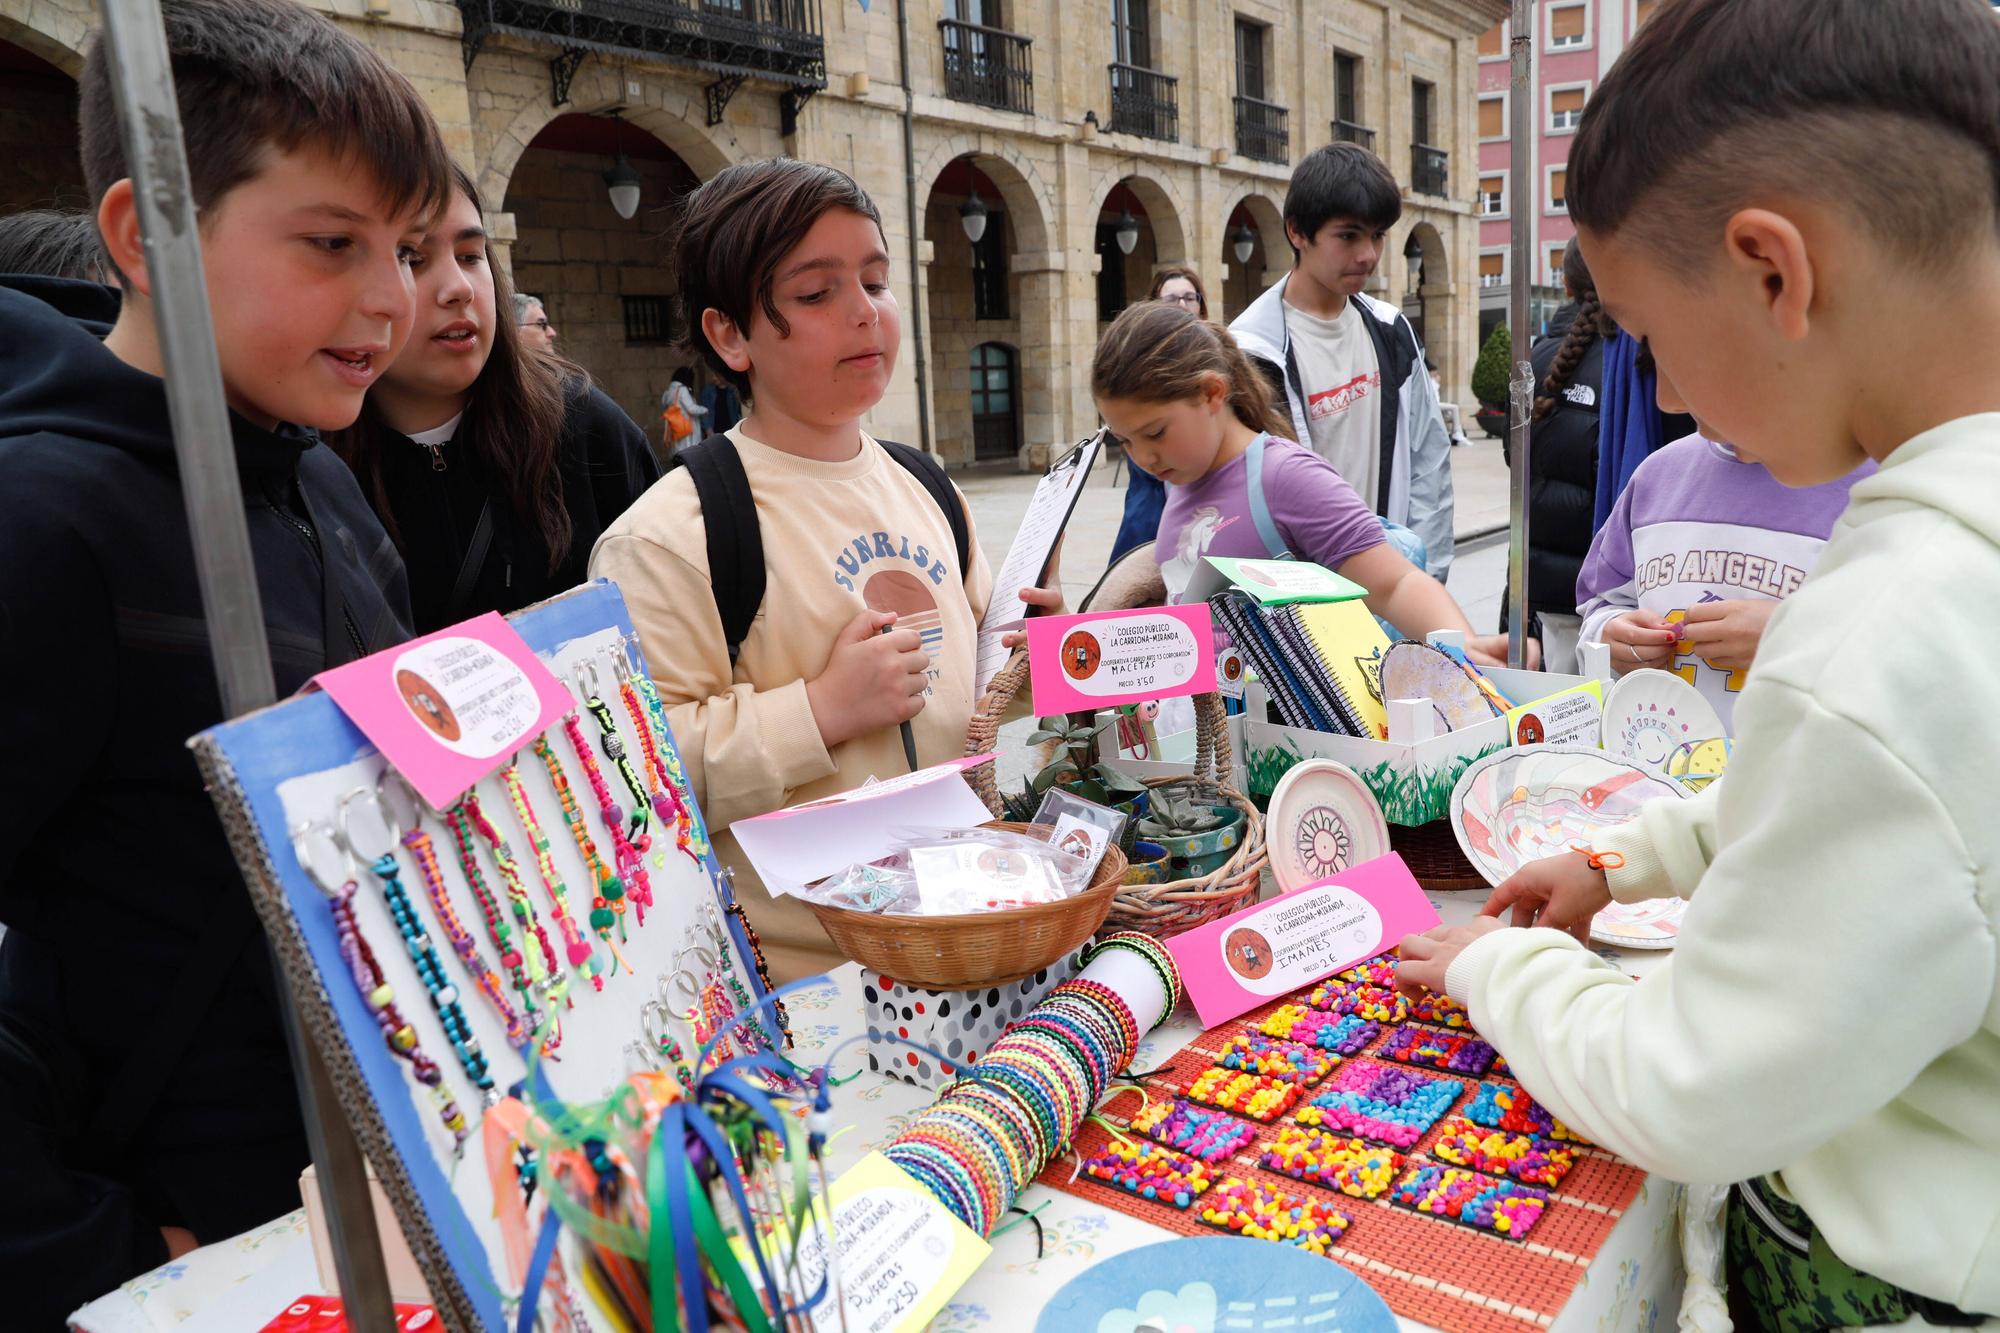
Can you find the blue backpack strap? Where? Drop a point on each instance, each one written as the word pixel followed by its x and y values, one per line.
pixel 1260 508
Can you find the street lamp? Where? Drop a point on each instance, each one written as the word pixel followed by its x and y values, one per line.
pixel 622 181
pixel 1243 241
pixel 1413 255
pixel 1127 233
pixel 972 216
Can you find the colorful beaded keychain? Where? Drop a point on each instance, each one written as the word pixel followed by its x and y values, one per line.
pixel 631 869
pixel 581 957
pixel 545 965
pixel 663 746
pixel 614 749
pixel 330 867
pixel 669 805
pixel 423 955
pixel 607 904
pixel 513 959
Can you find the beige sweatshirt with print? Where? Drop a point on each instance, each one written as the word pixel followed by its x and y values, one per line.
pixel 838 537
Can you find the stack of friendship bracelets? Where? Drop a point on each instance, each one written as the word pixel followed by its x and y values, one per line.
pixel 991 1133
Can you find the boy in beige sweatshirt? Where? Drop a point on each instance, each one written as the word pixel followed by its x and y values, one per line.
pixel 867 620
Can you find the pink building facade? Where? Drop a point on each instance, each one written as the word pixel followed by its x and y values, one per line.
pixel 1576 42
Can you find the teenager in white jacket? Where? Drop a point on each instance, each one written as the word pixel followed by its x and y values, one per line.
pixel 1349 367
pixel 1827 1033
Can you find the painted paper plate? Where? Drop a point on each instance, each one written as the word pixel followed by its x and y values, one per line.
pixel 1207 1284
pixel 1532 801
pixel 1322 820
pixel 1654 924
pixel 1696 764
pixel 1419 671
pixel 1648 715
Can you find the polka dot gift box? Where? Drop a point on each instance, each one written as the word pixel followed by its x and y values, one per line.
pixel 958 1025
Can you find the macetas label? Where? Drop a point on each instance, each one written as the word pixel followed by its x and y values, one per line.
pixel 1097 660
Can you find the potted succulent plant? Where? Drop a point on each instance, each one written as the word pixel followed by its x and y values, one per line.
pixel 1198 837
pixel 1076 769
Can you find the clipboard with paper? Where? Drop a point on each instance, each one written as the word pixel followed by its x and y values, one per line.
pixel 1027 561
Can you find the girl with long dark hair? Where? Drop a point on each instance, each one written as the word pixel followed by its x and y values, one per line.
pixel 494 466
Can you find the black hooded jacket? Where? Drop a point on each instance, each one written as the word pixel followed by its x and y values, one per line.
pixel 112 860
pixel 1563 464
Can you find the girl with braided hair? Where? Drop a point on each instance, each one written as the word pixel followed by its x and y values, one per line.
pixel 1568 364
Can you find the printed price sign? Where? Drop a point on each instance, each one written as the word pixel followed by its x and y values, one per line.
pixel 448 708
pixel 1101 659
pixel 1567 717
pixel 899 1254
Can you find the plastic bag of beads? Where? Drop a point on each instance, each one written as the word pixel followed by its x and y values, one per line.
pixel 878 886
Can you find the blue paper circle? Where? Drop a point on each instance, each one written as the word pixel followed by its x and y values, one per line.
pixel 1210 1283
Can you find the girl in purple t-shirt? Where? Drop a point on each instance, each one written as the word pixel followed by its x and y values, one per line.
pixel 1191 410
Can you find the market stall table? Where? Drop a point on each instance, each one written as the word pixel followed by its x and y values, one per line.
pixel 1635 1279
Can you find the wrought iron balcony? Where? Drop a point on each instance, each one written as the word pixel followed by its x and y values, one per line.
pixel 1346 131
pixel 776 40
pixel 1263 131
pixel 987 66
pixel 1145 102
pixel 1428 169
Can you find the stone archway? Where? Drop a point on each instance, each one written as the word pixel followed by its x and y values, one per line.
pixel 1426 297
pixel 1244 280
pixel 37 131
pixel 1125 276
pixel 999 290
pixel 605 281
pixel 55 35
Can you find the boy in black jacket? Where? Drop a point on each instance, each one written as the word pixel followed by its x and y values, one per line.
pixel 146 1101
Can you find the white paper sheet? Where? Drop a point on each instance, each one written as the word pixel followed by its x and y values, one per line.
pixel 1041 528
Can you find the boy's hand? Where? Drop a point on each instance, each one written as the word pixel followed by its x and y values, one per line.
pixel 179 1241
pixel 872 680
pixel 1046 600
pixel 1641 639
pixel 1426 957
pixel 1491 650
pixel 1726 634
pixel 1560 892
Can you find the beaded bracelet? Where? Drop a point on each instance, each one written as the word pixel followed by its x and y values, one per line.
pixel 424 853
pixel 545 966
pixel 496 921
pixel 381 1000
pixel 631 870
pixel 1156 958
pixel 581 956
pixel 607 903
pixel 444 995
pixel 613 746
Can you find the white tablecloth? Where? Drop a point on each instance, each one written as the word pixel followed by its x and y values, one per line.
pixel 239 1284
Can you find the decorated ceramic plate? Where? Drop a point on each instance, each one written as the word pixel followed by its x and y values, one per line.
pixel 1206 1284
pixel 1419 671
pixel 1649 715
pixel 1696 764
pixel 1522 804
pixel 1654 924
pixel 1322 820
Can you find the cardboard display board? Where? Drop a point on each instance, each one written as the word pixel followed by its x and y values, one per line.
pixel 270 771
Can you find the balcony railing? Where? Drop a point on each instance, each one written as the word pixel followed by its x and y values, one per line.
pixel 778 40
pixel 1263 131
pixel 1346 131
pixel 987 67
pixel 1429 169
pixel 1145 102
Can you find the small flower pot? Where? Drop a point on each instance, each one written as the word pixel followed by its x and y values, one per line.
pixel 1202 853
pixel 1147 864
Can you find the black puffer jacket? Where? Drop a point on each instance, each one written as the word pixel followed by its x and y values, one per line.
pixel 1563 465
pixel 113 862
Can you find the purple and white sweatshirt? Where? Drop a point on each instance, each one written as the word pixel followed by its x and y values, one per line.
pixel 1697 525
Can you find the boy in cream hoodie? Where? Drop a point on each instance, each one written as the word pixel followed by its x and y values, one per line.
pixel 1788 200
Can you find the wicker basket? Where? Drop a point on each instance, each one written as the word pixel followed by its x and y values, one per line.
pixel 1159 910
pixel 1433 856
pixel 977 949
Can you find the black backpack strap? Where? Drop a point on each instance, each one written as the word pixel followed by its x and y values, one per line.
pixel 735 541
pixel 931 475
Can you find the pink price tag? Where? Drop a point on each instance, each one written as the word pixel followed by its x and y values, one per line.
pixel 1252 957
pixel 450 707
pixel 1101 659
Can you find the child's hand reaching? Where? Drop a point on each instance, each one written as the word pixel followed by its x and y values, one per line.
pixel 1426 957
pixel 1560 892
pixel 872 680
pixel 1046 600
pixel 1641 639
pixel 1726 634
pixel 1491 650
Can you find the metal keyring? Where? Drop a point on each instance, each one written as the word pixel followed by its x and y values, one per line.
pixel 402 808
pixel 654 1051
pixel 365 855
pixel 314 840
pixel 649 1059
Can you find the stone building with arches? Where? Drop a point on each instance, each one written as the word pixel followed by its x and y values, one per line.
pixel 1038 163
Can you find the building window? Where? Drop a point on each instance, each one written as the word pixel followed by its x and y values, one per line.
pixel 1131 33
pixel 1493 268
pixel 1643 11
pixel 1346 88
pixel 1250 59
pixel 649 320
pixel 1493 42
pixel 1423 108
pixel 1556 265
pixel 1493 196
pixel 1492 117
pixel 989 272
pixel 1569 27
pixel 1566 108
pixel 1558 190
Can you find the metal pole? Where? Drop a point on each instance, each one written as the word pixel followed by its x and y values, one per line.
pixel 1521 386
pixel 150 128
pixel 917 312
